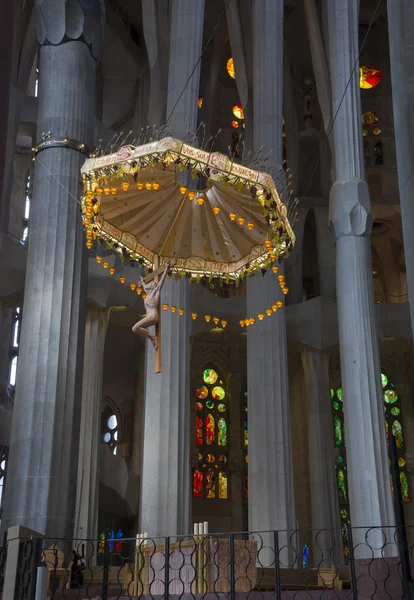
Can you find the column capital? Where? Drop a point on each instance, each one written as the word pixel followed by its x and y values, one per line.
pixel 350 208
pixel 62 21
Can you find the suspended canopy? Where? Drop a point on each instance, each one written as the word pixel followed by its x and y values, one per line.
pixel 133 200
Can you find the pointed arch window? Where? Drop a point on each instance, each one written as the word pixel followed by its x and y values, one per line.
pixel 393 418
pixel 210 477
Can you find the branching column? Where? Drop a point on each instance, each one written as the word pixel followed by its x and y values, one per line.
pixel 86 520
pixel 351 222
pixel 45 431
pixel 165 485
pixel 271 497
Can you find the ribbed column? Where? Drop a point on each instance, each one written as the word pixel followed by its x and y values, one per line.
pixel 401 41
pixel 165 483
pixel 324 500
pixel 165 496
pixel 271 497
pixel 351 221
pixel 86 519
pixel 45 430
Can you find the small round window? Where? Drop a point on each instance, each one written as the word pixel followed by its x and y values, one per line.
pixel 110 429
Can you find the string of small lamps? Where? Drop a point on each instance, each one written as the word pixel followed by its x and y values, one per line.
pixel 247 322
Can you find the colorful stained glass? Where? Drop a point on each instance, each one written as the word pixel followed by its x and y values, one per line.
pixel 338 430
pixel 222 432
pixel 202 392
pixel 210 404
pixel 339 394
pixel 332 392
pixel 222 485
pixel 235 124
pixel 246 486
pixel 369 77
pixel 210 484
pixel 230 68
pixel 404 487
pixel 199 430
pixel 245 428
pixel 390 396
pixel 211 458
pixel 401 462
pixel 397 432
pixel 369 118
pixel 218 393
pixel 344 513
pixel 341 484
pixel 197 484
pixel 336 405
pixel 384 380
pixel 221 407
pixel 200 102
pixel 305 556
pixel 210 429
pixel 222 458
pixel 376 131
pixel 210 376
pixel 340 460
pixel 238 111
pixel 395 411
pixel 199 406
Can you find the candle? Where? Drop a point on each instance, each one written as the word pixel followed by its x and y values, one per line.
pixel 205 527
pixel 195 528
pixel 201 529
pixel 138 539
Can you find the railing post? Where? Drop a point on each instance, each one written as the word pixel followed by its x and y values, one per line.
pixel 278 591
pixel 105 575
pixel 352 565
pixel 232 574
pixel 167 569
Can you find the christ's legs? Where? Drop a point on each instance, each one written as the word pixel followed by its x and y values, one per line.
pixel 147 321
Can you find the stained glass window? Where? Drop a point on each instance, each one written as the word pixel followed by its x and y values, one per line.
pixel 392 409
pixel 211 422
pixel 369 77
pixel 109 428
pixel 230 68
pixel 238 111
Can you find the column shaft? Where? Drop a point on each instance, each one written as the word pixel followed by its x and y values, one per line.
pixel 271 496
pixel 165 496
pixel 45 430
pixel 351 221
pixel 87 502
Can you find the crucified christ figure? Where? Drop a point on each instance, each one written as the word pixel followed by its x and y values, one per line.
pixel 151 303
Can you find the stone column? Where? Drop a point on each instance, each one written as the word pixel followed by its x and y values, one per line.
pixel 351 222
pixel 401 42
pixel 271 497
pixel 87 501
pixel 324 498
pixel 165 486
pixel 45 430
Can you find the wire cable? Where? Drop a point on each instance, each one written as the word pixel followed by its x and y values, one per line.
pixel 328 133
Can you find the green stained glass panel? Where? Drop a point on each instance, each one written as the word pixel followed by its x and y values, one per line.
pixel 401 462
pixel 210 376
pixel 338 430
pixel 404 487
pixel 390 396
pixel 222 407
pixel 210 404
pixel 397 432
pixel 340 460
pixel 384 380
pixel 222 432
pixel 336 405
pixel 395 411
pixel 339 394
pixel 341 484
pixel 332 392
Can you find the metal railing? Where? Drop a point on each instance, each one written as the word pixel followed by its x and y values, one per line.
pixel 255 565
